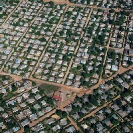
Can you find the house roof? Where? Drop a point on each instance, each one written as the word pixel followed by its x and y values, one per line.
pixel 57 97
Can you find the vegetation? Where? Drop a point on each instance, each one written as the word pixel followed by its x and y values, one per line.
pixel 48 89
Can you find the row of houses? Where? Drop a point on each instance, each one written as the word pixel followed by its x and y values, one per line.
pixel 30 106
pixel 60 50
pixel 88 62
pixel 5 80
pixel 34 41
pixel 5 9
pixel 112 63
pixel 121 85
pixel 53 123
pixel 127 4
pixel 16 26
pixel 102 121
pixel 128 48
pixel 25 105
pixel 116 116
pixel 119 31
pixel 7 122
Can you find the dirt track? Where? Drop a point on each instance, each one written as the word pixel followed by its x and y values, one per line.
pixel 68 88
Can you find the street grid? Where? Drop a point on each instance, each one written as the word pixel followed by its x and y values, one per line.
pixel 65 73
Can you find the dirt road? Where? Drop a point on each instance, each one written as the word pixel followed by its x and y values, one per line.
pixel 99 108
pixel 70 64
pixel 38 120
pixel 74 124
pixel 10 14
pixel 48 42
pixel 21 38
pixel 102 81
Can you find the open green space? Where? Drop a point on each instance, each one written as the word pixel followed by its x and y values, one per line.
pixel 48 89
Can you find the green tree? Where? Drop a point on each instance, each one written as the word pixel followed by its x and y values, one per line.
pixel 79 66
pixel 114 121
pixel 50 102
pixel 111 11
pixel 64 114
pixel 59 112
pixel 33 83
pixel 27 129
pixel 65 58
pixel 119 36
pixel 51 4
pixel 42 39
pixel 1 97
pixel 14 88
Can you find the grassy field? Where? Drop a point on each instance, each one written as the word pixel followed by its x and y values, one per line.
pixel 49 89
